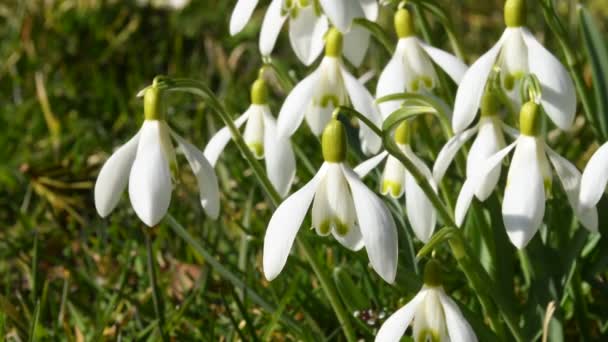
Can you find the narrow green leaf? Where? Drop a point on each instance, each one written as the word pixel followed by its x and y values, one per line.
pixel 438 238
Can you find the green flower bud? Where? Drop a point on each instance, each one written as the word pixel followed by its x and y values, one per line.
pixel 333 43
pixel 259 92
pixel 334 142
pixel 402 133
pixel 490 104
pixel 404 23
pixel 432 273
pixel 515 13
pixel 153 104
pixel 530 119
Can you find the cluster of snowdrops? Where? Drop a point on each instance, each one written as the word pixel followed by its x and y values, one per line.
pixel 517 68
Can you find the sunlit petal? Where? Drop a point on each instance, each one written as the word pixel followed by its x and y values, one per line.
pixel 271 27
pixel 241 14
pixel 395 326
pixel 218 142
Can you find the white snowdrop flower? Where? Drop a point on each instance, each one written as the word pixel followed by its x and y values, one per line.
pixel 433 315
pixel 411 67
pixel 328 87
pixel 262 138
pixel 343 206
pixel 308 23
pixel 145 162
pixel 396 181
pixel 529 177
pixel 517 53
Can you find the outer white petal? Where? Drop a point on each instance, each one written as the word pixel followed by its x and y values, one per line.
pixel 559 96
pixel 420 210
pixel 377 227
pixel 150 178
pixel 113 177
pixel 570 178
pixel 452 66
pixel 367 166
pixel 523 206
pixel 306 33
pixel 470 90
pixel 458 327
pixel 271 26
pixel 218 142
pixel 595 177
pixel 356 42
pixel 392 80
pixel 296 104
pixel 284 225
pixel 241 14
pixel 370 7
pixel 363 102
pixel 395 326
pixel 474 179
pixel 489 140
pixel 340 12
pixel 205 176
pixel 449 151
pixel 280 160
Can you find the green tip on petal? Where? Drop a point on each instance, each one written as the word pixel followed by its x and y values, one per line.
pixel 490 103
pixel 259 92
pixel 515 13
pixel 257 149
pixel 530 119
pixel 334 142
pixel 432 273
pixel 404 23
pixel 402 133
pixel 333 43
pixel 153 106
pixel 392 188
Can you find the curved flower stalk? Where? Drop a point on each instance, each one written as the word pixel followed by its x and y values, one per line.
pixel 396 181
pixel 309 24
pixel 529 177
pixel 146 162
pixel 343 207
pixel 435 316
pixel 595 178
pixel 262 139
pixel 517 53
pixel 489 140
pixel 327 88
pixel 411 67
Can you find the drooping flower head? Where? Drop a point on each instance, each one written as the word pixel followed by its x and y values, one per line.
pixel 517 54
pixel 146 163
pixel 262 138
pixel 341 206
pixel 328 87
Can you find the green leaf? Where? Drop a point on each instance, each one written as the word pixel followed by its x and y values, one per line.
pixel 438 238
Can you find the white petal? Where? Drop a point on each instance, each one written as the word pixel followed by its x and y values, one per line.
pixel 356 42
pixel 205 176
pixel 367 166
pixel 419 65
pixel 377 227
pixel 241 14
pixel 296 104
pixel 271 26
pixel 393 178
pixel 420 210
pixel 452 66
pixel 113 177
pixel 333 205
pixel 458 327
pixel 449 151
pixel 340 12
pixel 595 177
pixel 317 117
pixel 306 33
pixel 254 130
pixel 559 96
pixel 570 178
pixel 392 80
pixel 472 85
pixel 395 326
pixel 474 179
pixel 370 7
pixel 353 240
pixel 280 160
pixel 363 102
pixel 489 140
pixel 218 142
pixel 150 178
pixel 284 225
pixel 523 206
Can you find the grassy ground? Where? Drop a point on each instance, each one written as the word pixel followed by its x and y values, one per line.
pixel 69 72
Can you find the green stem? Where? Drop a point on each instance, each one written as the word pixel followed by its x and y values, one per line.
pixel 156 297
pixel 200 89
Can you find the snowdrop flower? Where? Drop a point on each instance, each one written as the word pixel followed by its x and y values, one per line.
pixel 517 53
pixel 261 137
pixel 435 316
pixel 490 139
pixel 595 177
pixel 146 162
pixel 396 181
pixel 308 24
pixel 343 206
pixel 328 87
pixel 529 177
pixel 411 67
